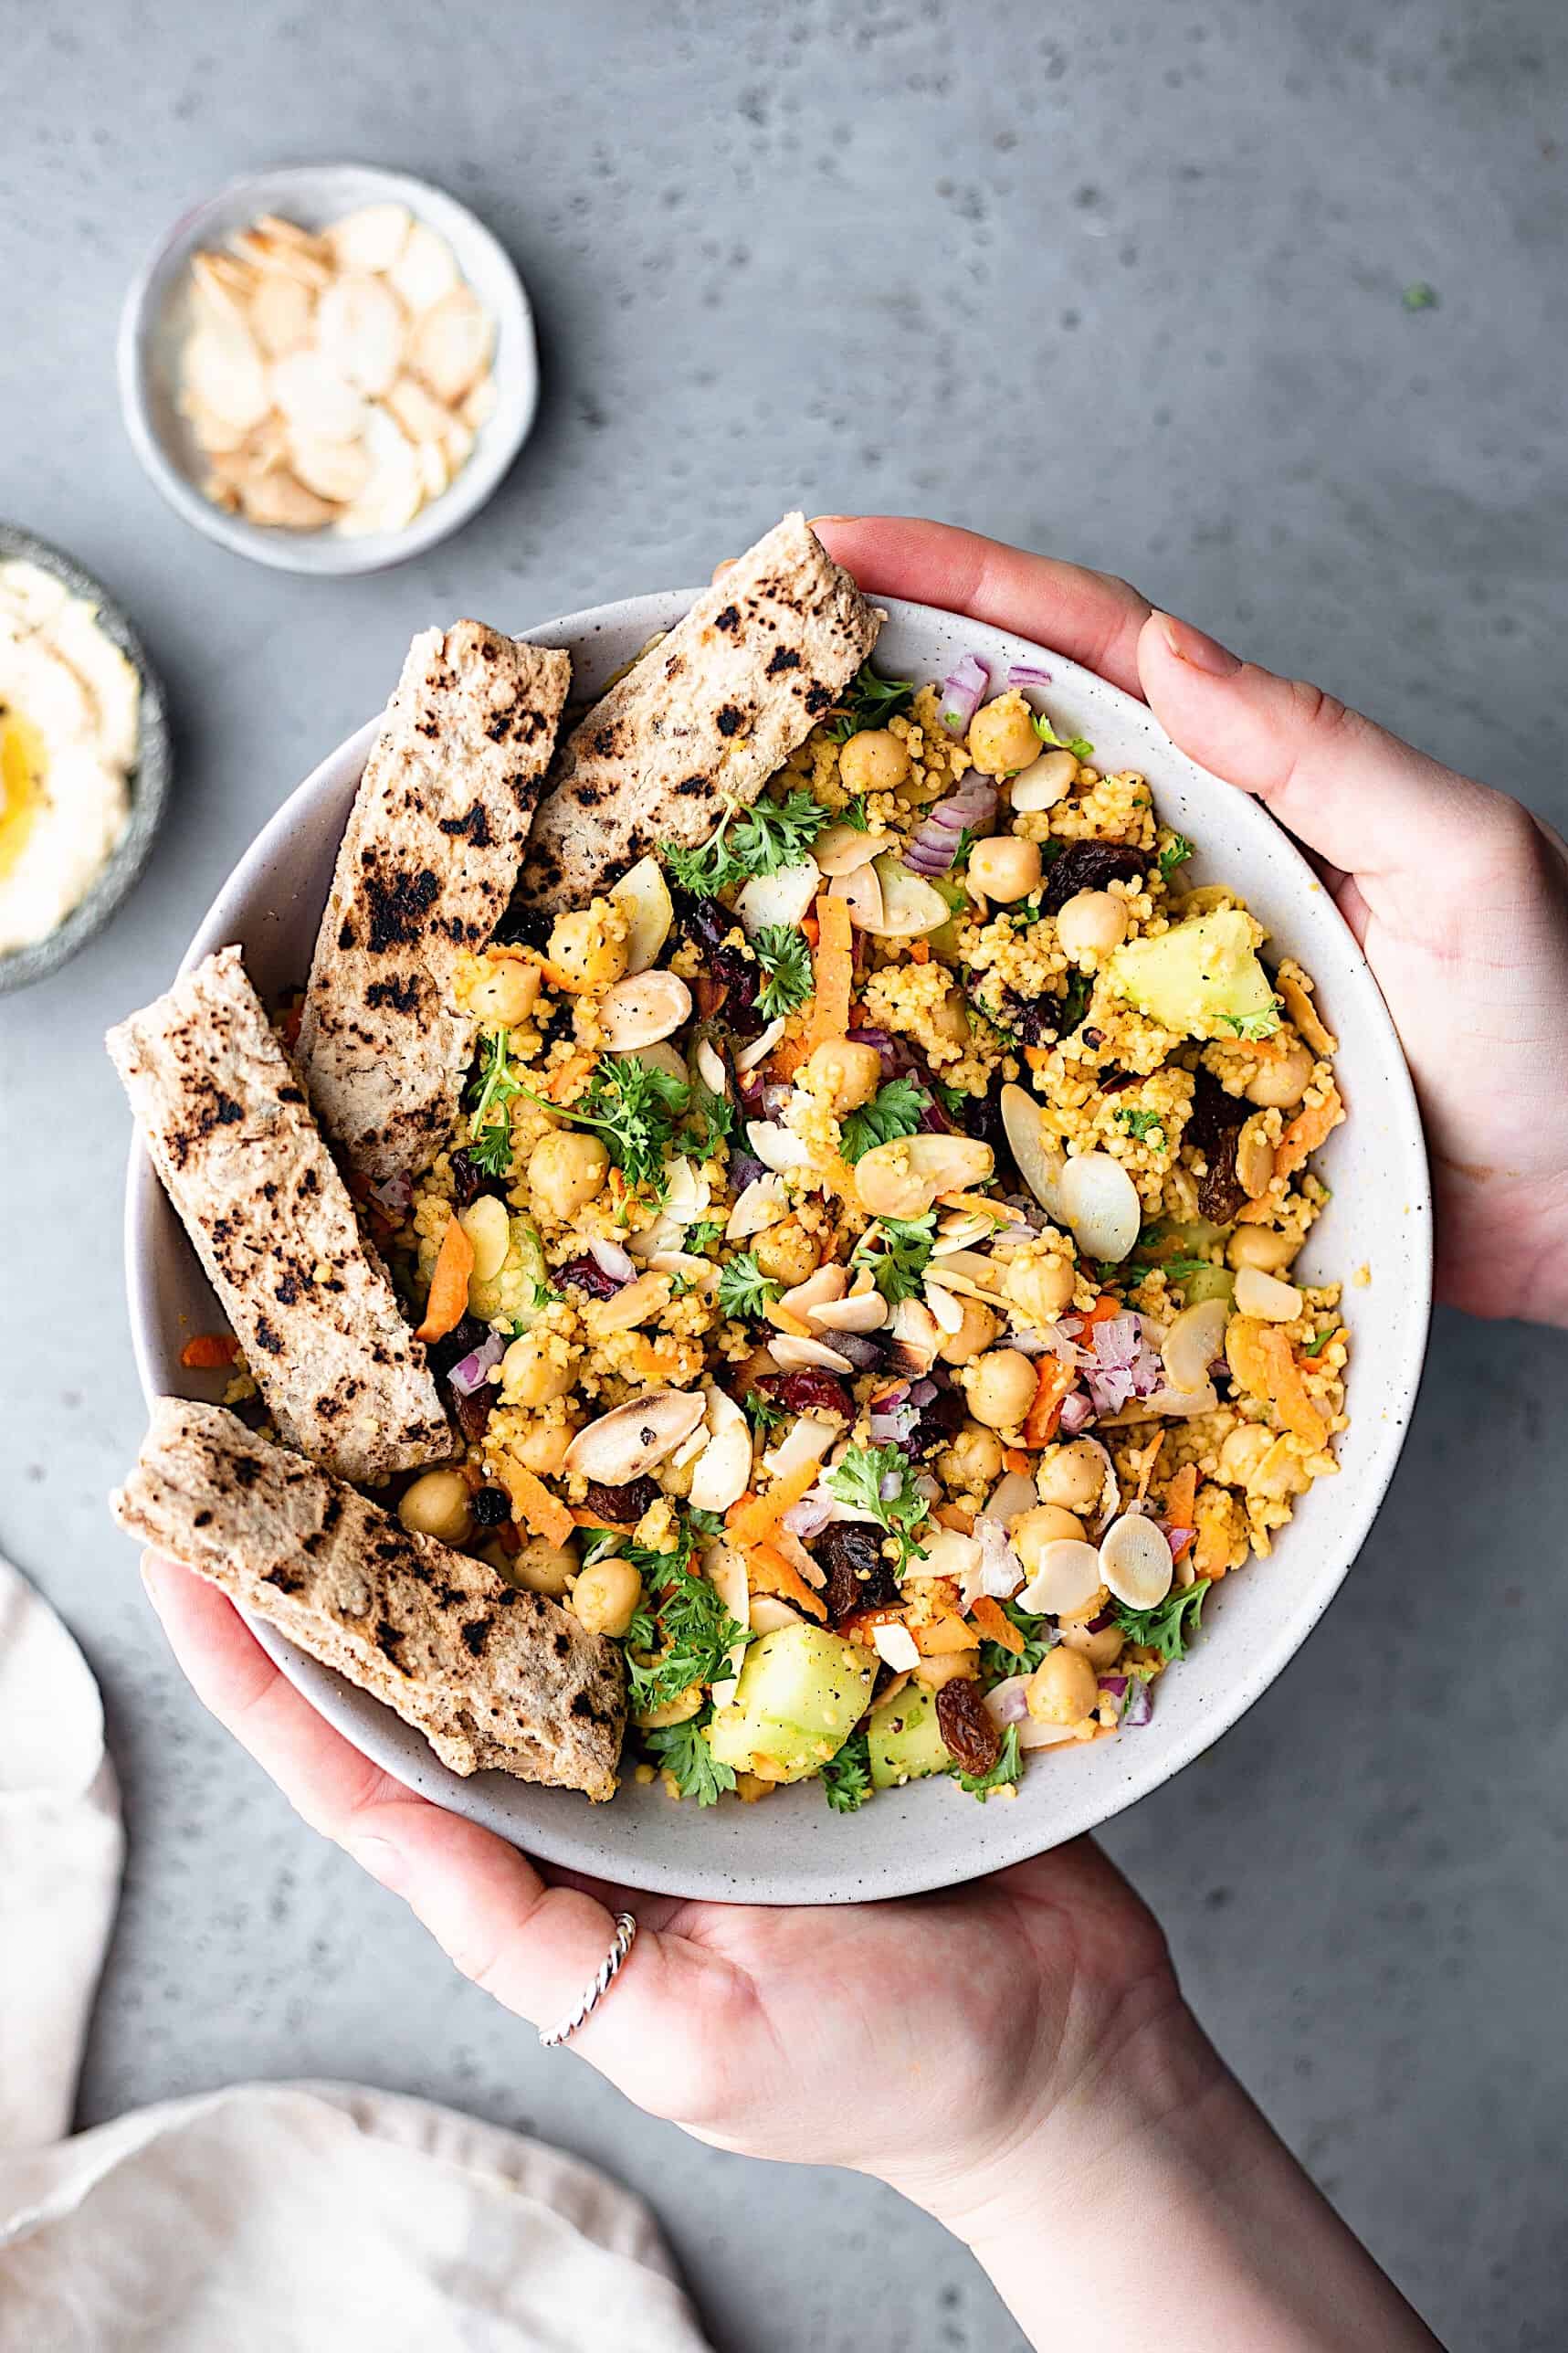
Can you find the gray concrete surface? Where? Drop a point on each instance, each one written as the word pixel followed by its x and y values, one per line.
pixel 1123 280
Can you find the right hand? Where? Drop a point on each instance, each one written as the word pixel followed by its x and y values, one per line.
pixel 1459 896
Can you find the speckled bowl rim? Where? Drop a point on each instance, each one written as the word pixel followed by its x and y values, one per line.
pixel 321 555
pixel 793 1849
pixel 149 781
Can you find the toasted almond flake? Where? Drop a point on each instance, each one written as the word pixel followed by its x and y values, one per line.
pixel 1194 1340
pixel 867 1310
pixel 458 444
pixel 895 1646
pixel 723 1470
pixel 844 849
pixel 479 403
pixel 1039 1156
pixel 776 1147
pixel 785 898
pixel 213 434
pixel 819 1289
pixel 643 1008
pixel 451 345
pixel 760 1048
pixel 420 415
pixel 393 496
pixel 631 1305
pixel 630 1440
pixel 793 1355
pixel 222 288
pixel 423 270
pixel 361 330
pixel 1101 1203
pixel 1042 786
pixel 762 1203
pixel 806 1441
pixel 917 1335
pixel 317 399
pixel 435 474
pixel 861 890
pixel 225 373
pixel 1135 1561
pixel 1066 1576
pixel 944 1307
pixel 643 894
pixel 333 469
pixel 275 500
pixel 276 256
pixel 1264 1295
pixel 287 232
pixel 371 239
pixel 710 1068
pixel 281 312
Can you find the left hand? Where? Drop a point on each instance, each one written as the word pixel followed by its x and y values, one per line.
pixel 926 2040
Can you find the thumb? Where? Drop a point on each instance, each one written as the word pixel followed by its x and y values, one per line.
pixel 1362 799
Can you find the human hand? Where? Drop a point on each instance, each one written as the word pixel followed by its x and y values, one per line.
pixel 1457 895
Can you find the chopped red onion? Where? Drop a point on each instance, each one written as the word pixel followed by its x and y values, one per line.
pixel 1177 1538
pixel 961 692
pixel 1140 1707
pixel 469 1373
pixel 1010 1701
pixel 1124 1366
pixel 933 847
pixel 612 1261
pixel 888 1484
pixel 1115 1684
pixel 1077 1413
pixel 882 1043
pixel 893 1418
pixel 925 1485
pixel 1029 674
pixel 395 1194
pixel 809 1516
pixel 921 1392
pixel 775 1099
pixel 744 1170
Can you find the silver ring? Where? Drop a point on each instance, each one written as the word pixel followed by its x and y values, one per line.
pixel 609 1970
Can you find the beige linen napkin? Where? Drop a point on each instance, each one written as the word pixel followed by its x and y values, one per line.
pixel 272 2218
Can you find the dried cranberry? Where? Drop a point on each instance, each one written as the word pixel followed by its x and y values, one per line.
pixel 1090 866
pixel 736 979
pixel 1212 1125
pixel 490 1507
pixel 859 1579
pixel 468 1182
pixel 471 1413
pixel 965 1724
pixel 587 1274
pixel 815 1390
pixel 622 1507
pixel 941 1419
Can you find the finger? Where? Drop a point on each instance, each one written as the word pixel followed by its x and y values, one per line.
pixel 534 1948
pixel 1362 799
pixel 1090 617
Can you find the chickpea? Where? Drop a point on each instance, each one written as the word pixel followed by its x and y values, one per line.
pixel 488 1227
pixel 1101 1650
pixel 950 1018
pixel 1047 1524
pixel 887 1186
pixel 507 993
pixel 786 1253
pixel 543 1568
pixel 532 1374
pixel 437 1505
pixel 1002 737
pixel 1041 1289
pixel 1258 1246
pixel 1242 1453
pixel 1001 1387
pixel 605 1597
pixel 947 1667
pixel 586 950
pixel 973 1460
pixel 1063 1688
pixel 566 1170
pixel 542 1449
pixel 875 761
pixel 1280 1084
pixel 1253 1158
pixel 978 1328
pixel 1004 867
pixel 844 1074
pixel 1073 1477
pixel 1092 922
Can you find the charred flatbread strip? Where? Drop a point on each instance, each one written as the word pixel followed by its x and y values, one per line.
pixel 491 1675
pixel 224 1118
pixel 703 721
pixel 428 864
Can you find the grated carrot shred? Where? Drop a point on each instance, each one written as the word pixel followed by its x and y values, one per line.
pixel 448 1300
pixel 533 1504
pixel 995 1625
pixel 835 971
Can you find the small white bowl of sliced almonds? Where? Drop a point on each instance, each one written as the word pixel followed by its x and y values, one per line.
pixel 328 368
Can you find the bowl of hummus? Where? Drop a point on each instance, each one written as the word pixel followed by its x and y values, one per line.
pixel 84 757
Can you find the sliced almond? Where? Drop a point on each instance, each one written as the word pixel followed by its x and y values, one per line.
pixel 867 1310
pixel 280 313
pixel 783 898
pixel 423 270
pixel 917 1336
pixel 1196 1337
pixel 417 411
pixel 371 239
pixel 274 498
pixel 479 403
pixel 1042 786
pixel 643 892
pixel 724 1566
pixel 760 1048
pixel 317 399
pixel 770 1615
pixel 687 1193
pixel 395 493
pixel 333 469
pixel 629 1440
pixel 985 1273
pixel 212 434
pixel 861 890
pixel 1264 1296
pixel 451 345
pixel 1101 1206
pixel 1068 1574
pixel 819 1289
pixel 283 259
pixel 223 289
pixel 458 444
pixel 944 1307
pixel 435 474
pixel 1039 1158
pixel 794 1355
pixel 895 1645
pixel 361 329
pixel 724 1468
pixel 225 373
pixel 762 1203
pixel 1135 1561
pixel 844 849
pixel 806 1441
pixel 642 1009
pixel 710 1068
pixel 776 1147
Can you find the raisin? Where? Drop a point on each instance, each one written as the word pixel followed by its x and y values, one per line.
pixel 1212 1125
pixel 859 1579
pixel 1090 866
pixel 468 1182
pixel 733 979
pixel 490 1507
pixel 622 1507
pixel 813 1390
pixel 471 1413
pixel 463 1338
pixel 964 1722
pixel 587 1274
pixel 941 1419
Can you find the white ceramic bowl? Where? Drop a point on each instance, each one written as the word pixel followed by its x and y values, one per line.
pixel 793 1849
pixel 155 321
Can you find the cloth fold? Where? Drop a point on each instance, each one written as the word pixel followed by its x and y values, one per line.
pixel 268 2217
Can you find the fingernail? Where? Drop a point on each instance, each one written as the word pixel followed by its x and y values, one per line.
pixel 1200 652
pixel 381 1858
pixel 818 519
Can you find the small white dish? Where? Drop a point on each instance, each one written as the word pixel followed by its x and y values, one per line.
pixel 155 322
pixel 793 1849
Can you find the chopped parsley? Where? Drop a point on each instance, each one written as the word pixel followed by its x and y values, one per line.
pixel 693 1630
pixel 1140 1124
pixel 681 1750
pixel 598 1545
pixel 954 1099
pixel 1029 911
pixel 1182 1270
pixel 1003 1775
pixel 763 1412
pixel 642 1634
pixel 1078 745
pixel 710 1118
pixel 707 1524
pixel 854 813
pixel 1075 1004
pixel 783 954
pixel 701 1238
pixel 858 1480
pixel 896 1111
pixel 1176 852
pixel 997 1662
pixel 635 1107
pixel 1254 1026
pixel 490 1150
pixel 1315 1348
pixel 846 1777
pixel 871 702
pixel 757 841
pixel 1170 1626
pixel 744 1289
pixel 898 1251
